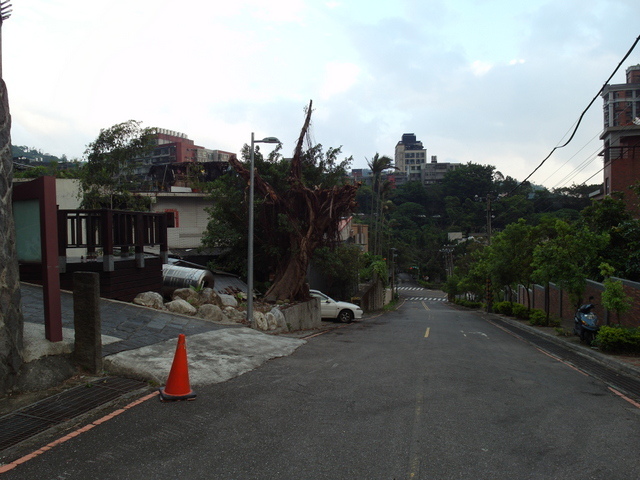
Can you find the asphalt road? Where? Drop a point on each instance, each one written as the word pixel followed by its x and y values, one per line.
pixel 425 392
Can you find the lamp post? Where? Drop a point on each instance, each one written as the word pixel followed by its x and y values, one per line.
pixel 250 248
pixel 393 272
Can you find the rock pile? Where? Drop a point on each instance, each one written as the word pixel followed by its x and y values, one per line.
pixel 209 305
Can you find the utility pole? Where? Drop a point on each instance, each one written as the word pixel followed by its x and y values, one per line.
pixel 489 217
pixel 5 12
pixel 489 293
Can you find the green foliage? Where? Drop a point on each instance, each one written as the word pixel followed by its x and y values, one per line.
pixel 609 216
pixel 107 177
pixel 520 311
pixel 374 266
pixel 539 317
pixel 228 214
pixel 509 257
pixel 380 189
pixel 452 286
pixel 613 298
pixel 339 266
pixel 568 257
pixel 618 340
pixel 469 181
pixel 468 303
pixel 503 308
pixel 535 315
pixel 227 227
pixel 50 170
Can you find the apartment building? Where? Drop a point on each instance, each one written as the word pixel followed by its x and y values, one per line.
pixel 176 161
pixel 410 157
pixel 412 165
pixel 621 136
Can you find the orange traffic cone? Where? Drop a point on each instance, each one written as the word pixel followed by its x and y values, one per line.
pixel 177 387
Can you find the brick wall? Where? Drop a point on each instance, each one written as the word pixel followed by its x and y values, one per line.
pixel 560 306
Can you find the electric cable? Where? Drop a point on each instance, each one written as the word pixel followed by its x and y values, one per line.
pixel 580 118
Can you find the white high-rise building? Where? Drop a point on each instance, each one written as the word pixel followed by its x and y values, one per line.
pixel 410 157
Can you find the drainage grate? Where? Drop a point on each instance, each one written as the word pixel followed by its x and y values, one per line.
pixel 625 383
pixel 29 421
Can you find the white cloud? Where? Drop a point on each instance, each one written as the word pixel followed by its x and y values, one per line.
pixel 480 68
pixel 338 78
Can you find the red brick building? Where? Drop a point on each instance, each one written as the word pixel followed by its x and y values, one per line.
pixel 621 137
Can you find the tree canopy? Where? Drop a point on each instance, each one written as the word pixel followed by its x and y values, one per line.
pixel 107 177
pixel 300 203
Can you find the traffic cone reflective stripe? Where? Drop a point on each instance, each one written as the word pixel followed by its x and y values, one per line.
pixel 177 387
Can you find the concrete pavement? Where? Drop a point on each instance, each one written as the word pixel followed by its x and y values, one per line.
pixel 140 342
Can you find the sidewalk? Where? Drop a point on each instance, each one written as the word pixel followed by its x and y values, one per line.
pixel 140 342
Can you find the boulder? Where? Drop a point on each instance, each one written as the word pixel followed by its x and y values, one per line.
pixel 187 294
pixel 228 300
pixel 208 295
pixel 261 321
pixel 233 314
pixel 150 299
pixel 210 312
pixel 181 306
pixel 279 319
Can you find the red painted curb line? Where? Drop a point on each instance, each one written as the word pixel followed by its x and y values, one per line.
pixel 75 433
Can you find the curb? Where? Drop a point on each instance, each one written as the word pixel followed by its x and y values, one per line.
pixel 584 351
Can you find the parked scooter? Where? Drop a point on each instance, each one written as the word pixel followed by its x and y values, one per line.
pixel 585 323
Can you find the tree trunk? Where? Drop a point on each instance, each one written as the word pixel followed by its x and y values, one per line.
pixel 290 282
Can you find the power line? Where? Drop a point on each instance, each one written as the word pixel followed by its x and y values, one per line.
pixel 589 159
pixel 581 116
pixel 571 158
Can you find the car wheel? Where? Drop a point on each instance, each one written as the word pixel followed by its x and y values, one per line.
pixel 345 316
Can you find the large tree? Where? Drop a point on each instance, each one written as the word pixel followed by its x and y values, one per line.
pixel 107 177
pixel 380 187
pixel 569 257
pixel 308 215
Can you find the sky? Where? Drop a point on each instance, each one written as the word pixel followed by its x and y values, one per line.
pixel 494 82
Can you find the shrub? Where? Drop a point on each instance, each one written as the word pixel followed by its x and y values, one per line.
pixel 618 339
pixel 468 304
pixel 504 308
pixel 520 311
pixel 539 317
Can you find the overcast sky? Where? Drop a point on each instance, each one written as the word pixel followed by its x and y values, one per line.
pixel 496 82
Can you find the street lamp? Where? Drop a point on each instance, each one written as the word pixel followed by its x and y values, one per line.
pixel 393 271
pixel 250 248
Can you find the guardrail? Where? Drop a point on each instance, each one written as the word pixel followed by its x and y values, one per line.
pixel 111 231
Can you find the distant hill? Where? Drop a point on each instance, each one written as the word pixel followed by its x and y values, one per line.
pixel 34 155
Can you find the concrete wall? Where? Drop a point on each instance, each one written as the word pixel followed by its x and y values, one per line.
pixel 67 193
pixel 303 316
pixel 192 217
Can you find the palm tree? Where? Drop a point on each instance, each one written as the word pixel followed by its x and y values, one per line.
pixel 378 164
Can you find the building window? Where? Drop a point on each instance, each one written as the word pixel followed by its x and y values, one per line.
pixel 176 217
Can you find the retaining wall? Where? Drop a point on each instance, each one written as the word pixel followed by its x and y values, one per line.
pixel 303 316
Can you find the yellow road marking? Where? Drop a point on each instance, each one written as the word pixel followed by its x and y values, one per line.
pixel 426 334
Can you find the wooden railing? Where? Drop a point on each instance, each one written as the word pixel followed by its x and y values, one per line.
pixel 111 231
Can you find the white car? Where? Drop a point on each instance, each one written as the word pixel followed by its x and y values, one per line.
pixel 329 308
